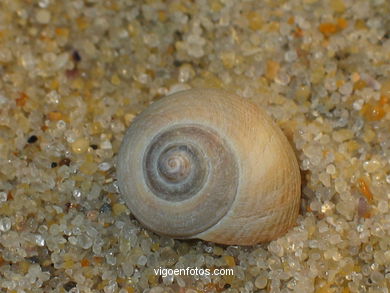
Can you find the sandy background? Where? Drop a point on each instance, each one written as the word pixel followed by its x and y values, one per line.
pixel 73 75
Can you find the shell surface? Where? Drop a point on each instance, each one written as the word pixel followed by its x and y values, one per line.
pixel 204 163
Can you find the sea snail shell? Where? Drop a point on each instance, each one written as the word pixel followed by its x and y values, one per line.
pixel 204 163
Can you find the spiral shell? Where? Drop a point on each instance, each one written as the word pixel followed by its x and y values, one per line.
pixel 204 163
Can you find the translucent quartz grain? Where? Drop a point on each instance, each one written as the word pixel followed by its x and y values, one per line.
pixel 290 56
pixel 39 240
pixel 186 72
pixel 104 166
pixel 43 16
pixel 5 224
pixel 80 145
pixel 142 260
pixel 330 169
pixel 372 165
pixel 84 241
pixel 3 197
pixel 106 145
pixel 168 279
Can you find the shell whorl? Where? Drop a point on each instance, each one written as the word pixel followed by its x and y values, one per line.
pixel 181 169
pixel 208 164
pixel 181 161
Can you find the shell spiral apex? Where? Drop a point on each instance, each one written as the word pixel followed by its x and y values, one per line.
pixel 204 163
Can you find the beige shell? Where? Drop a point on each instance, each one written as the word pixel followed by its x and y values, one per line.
pixel 204 163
